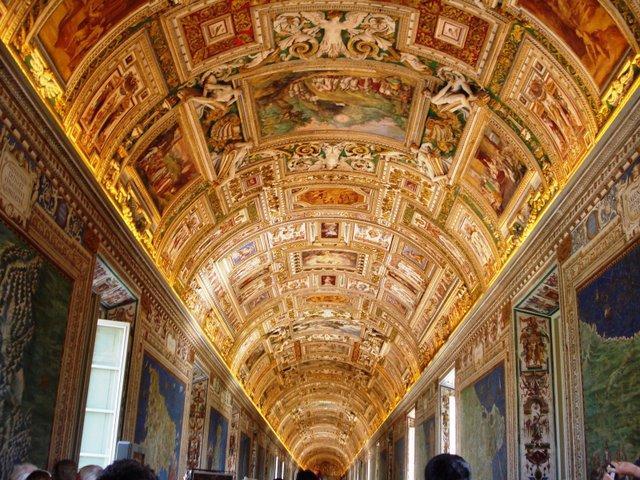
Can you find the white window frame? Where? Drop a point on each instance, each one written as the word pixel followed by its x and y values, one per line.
pixel 448 381
pixel 110 455
pixel 411 445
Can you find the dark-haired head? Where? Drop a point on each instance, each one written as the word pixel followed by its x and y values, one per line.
pixel 127 470
pixel 65 470
pixel 39 475
pixel 447 467
pixel 306 475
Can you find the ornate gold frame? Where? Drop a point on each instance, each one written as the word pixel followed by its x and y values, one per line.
pixel 46 237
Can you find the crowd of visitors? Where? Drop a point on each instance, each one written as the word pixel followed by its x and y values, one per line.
pixel 441 467
pixel 63 470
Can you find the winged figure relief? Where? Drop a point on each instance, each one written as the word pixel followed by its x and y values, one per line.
pixel 320 34
pixel 332 44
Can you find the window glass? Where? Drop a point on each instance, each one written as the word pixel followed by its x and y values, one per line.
pixel 104 396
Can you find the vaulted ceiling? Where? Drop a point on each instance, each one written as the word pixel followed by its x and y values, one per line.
pixel 328 186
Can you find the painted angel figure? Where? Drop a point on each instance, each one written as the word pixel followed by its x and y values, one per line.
pixel 456 93
pixel 332 44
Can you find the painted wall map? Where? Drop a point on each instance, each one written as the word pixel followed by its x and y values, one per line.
pixel 383 464
pixel 303 102
pixel 589 31
pixel 425 444
pixel 482 426
pixel 244 456
pixel 75 26
pixel 261 464
pixel 217 440
pixel 398 459
pixel 610 356
pixel 34 299
pixel 159 421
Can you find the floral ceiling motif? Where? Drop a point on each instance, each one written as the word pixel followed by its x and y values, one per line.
pixel 328 186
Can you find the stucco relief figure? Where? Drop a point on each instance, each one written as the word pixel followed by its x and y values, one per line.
pixel 429 163
pixel 456 95
pixel 287 233
pixel 373 31
pixel 331 159
pixel 215 95
pixel 289 25
pixel 316 34
pixel 414 62
pixel 332 45
pixel 227 163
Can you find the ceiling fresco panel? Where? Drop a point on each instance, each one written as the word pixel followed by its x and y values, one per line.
pixel 452 30
pixel 588 30
pixel 201 33
pixel 290 103
pixel 75 26
pixel 118 94
pixel 329 187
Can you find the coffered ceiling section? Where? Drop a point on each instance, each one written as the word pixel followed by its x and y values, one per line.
pixel 328 186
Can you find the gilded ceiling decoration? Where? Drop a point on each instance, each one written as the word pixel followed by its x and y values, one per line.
pixel 329 186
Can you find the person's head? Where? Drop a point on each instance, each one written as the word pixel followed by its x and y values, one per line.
pixel 65 470
pixel 306 475
pixel 447 467
pixel 127 470
pixel 90 472
pixel 22 471
pixel 39 475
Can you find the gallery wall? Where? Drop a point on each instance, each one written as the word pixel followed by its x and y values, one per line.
pixel 180 402
pixel 552 350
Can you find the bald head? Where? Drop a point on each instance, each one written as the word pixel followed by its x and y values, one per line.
pixel 90 472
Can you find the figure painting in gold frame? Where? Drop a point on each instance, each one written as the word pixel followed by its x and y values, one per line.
pixel 75 26
pixel 329 258
pixel 495 171
pixel 589 31
pixel 166 167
